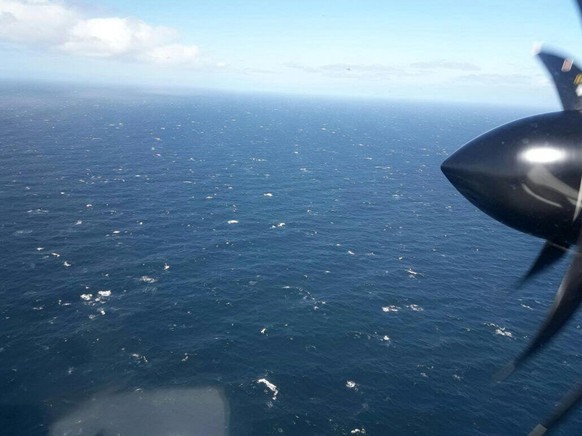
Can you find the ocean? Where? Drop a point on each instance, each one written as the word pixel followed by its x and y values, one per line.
pixel 302 259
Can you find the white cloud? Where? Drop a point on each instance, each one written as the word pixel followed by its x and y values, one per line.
pixel 446 65
pixel 351 71
pixel 173 54
pixel 52 24
pixel 35 22
pixel 115 36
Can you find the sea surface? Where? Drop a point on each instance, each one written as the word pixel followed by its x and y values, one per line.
pixel 305 258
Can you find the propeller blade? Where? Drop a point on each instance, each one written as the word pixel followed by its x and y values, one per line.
pixel 567 79
pixel 567 300
pixel 570 400
pixel 549 255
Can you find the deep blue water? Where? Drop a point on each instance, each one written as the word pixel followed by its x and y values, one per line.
pixel 170 242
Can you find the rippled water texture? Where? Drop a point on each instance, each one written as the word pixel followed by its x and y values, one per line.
pixel 298 266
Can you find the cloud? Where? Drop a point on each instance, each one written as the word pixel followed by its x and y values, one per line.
pixel 496 79
pixel 438 69
pixel 354 71
pixel 35 22
pixel 445 65
pixel 173 54
pixel 50 24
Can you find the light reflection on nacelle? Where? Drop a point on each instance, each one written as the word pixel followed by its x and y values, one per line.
pixel 542 155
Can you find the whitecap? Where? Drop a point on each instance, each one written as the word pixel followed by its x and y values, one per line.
pixel 106 293
pixel 166 267
pixel 413 273
pixel 271 387
pixel 501 331
pixel 22 232
pixel 137 356
pixel 86 297
pixel 415 307
pixel 351 385
pixel 232 222
pixel 147 279
pixel 66 264
pixel 268 194
pixel 390 308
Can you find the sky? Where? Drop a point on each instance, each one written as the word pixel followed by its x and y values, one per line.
pixel 445 50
